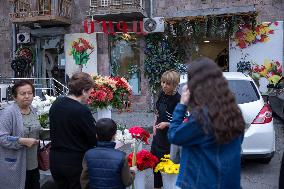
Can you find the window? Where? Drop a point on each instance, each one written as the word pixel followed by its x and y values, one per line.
pixel 125 59
pixel 244 91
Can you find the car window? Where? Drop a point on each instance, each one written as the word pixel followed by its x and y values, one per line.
pixel 244 91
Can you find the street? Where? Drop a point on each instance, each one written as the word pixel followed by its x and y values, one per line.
pixel 261 176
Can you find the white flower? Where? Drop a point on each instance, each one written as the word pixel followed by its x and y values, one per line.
pixel 43 106
pixel 124 136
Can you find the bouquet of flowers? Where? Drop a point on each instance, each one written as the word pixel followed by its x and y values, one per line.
pixel 42 107
pixel 167 166
pixel 141 136
pixel 144 160
pixel 81 50
pixel 123 135
pixel 110 91
pixel 247 36
pixel 271 70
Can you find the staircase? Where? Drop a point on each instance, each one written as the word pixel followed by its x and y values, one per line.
pixel 43 86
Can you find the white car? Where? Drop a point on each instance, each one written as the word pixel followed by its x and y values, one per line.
pixel 259 139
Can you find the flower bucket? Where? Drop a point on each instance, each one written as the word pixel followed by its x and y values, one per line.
pixel 104 112
pixel 139 181
pixel 169 180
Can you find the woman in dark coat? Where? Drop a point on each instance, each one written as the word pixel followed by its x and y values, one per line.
pixel 165 106
pixel 72 132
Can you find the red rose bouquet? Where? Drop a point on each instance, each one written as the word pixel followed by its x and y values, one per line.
pixel 140 135
pixel 144 160
pixel 110 91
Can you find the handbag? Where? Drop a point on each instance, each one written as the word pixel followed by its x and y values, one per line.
pixel 43 156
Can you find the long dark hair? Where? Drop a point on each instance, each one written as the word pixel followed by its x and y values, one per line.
pixel 209 91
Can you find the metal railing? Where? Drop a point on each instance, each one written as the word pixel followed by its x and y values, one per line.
pixel 49 86
pixel 30 8
pixel 99 7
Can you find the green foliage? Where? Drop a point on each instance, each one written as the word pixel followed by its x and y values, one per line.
pixel 160 57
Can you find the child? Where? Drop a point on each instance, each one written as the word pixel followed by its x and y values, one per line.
pixel 104 166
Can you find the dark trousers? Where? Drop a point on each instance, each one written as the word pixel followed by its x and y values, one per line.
pixel 281 177
pixel 158 182
pixel 65 170
pixel 32 179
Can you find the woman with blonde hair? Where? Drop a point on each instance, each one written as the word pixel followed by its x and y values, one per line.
pixel 167 100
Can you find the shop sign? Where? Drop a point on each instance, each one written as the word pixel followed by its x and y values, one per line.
pixel 112 28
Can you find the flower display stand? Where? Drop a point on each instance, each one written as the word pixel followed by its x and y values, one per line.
pixel 169 181
pixel 104 112
pixel 139 181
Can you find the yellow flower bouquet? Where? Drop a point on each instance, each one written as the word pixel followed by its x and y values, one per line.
pixel 167 166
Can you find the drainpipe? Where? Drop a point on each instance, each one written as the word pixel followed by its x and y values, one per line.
pixel 14 40
pixel 151 8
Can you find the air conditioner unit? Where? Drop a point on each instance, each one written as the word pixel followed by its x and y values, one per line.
pixel 156 24
pixel 23 38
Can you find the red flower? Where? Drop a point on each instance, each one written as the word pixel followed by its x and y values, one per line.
pixel 144 160
pixel 271 32
pixel 139 133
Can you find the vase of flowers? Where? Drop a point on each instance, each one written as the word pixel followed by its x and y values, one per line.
pixel 104 112
pixel 169 171
pixel 144 160
pixel 110 92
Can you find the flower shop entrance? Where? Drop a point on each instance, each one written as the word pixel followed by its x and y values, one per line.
pixel 208 34
pixel 215 49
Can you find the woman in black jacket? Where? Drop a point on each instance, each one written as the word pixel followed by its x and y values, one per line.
pixel 165 106
pixel 72 132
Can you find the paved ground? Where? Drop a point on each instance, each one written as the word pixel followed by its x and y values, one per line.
pixel 254 174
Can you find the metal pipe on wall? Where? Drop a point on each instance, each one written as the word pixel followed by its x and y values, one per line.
pixel 151 8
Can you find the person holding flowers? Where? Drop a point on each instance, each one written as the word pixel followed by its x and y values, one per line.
pixel 104 166
pixel 167 100
pixel 211 138
pixel 72 132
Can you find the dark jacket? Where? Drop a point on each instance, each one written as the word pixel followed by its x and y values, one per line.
pixel 105 168
pixel 165 106
pixel 204 163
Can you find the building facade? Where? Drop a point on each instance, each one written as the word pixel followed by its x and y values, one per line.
pixel 47 32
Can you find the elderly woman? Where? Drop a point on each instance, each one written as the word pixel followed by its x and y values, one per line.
pixel 72 132
pixel 19 134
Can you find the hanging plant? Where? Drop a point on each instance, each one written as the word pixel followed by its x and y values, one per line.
pixel 160 57
pixel 27 53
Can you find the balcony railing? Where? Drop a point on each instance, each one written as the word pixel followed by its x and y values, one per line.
pixel 42 11
pixel 114 7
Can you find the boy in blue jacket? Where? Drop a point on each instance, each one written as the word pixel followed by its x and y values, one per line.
pixel 104 166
